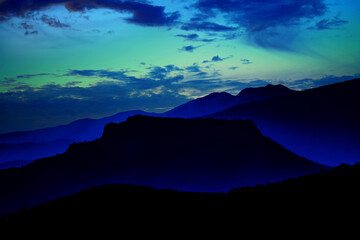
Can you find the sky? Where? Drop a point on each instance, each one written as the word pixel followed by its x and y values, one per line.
pixel 63 60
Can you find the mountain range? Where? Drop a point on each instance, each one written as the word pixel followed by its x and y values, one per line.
pixel 184 154
pixel 321 124
pixel 31 145
pixel 216 102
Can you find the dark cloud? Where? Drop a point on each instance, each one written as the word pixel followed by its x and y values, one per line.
pixel 161 73
pixel 189 37
pixel 199 74
pixel 35 32
pixel 27 76
pixel 157 76
pixel 216 59
pixel 327 24
pixel 246 61
pixel 269 24
pixel 172 67
pixel 143 13
pixel 53 22
pixel 258 15
pixel 206 26
pixel 193 69
pixel 72 83
pixel 194 37
pixel 189 48
pixel 158 73
pixel 26 26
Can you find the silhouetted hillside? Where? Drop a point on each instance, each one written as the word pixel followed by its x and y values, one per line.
pixel 211 103
pixel 47 142
pixel 328 197
pixel 195 155
pixel 31 151
pixel 11 164
pixel 250 95
pixel 321 124
pixel 219 101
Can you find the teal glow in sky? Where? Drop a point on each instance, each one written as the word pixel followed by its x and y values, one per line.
pixel 65 60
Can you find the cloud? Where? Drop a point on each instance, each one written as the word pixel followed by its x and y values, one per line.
pixel 216 59
pixel 328 24
pixel 53 22
pixel 206 26
pixel 246 61
pixel 26 26
pixel 260 15
pixel 194 37
pixel 143 13
pixel 189 48
pixel 157 76
pixel 35 32
pixel 189 37
pixel 268 24
pixel 27 76
pixel 193 69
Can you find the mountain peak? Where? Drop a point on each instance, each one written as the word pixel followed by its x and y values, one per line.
pixel 218 94
pixel 248 95
pixel 267 89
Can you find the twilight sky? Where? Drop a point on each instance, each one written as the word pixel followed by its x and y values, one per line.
pixel 62 60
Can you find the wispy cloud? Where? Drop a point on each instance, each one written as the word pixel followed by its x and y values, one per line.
pixel 328 24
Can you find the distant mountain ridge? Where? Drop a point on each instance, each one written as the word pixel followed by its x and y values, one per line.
pixel 321 124
pixel 47 142
pixel 216 102
pixel 184 154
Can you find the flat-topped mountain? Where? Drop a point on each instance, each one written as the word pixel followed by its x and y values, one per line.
pixel 183 154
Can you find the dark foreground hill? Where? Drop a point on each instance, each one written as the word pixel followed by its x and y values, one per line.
pixel 183 154
pixel 321 124
pixel 327 199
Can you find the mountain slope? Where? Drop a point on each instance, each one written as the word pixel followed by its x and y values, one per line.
pixel 47 142
pixel 215 102
pixel 321 124
pixel 196 155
